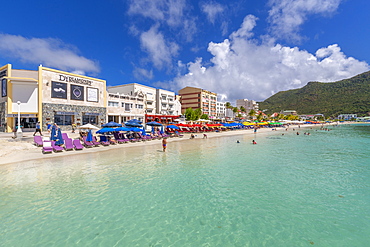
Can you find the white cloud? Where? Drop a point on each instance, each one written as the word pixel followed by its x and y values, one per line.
pixel 159 50
pixel 143 74
pixel 244 67
pixel 49 52
pixel 286 16
pixel 212 10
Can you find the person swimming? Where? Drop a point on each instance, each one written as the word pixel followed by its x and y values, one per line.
pixel 254 142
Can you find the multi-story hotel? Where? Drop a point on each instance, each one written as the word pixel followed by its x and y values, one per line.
pixel 49 95
pixel 220 110
pixel 195 98
pixel 247 104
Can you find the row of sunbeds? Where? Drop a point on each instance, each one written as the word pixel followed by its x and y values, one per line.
pixel 49 146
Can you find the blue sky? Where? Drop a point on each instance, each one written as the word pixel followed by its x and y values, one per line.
pixel 238 49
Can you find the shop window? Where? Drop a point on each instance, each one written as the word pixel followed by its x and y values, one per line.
pixel 63 119
pixel 89 119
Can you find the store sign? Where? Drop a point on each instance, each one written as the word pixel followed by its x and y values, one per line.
pixel 92 94
pixel 92 114
pixel 75 80
pixel 58 90
pixel 77 92
pixel 21 115
pixel 65 113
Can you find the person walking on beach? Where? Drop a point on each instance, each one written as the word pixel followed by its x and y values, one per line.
pixel 164 144
pixel 38 129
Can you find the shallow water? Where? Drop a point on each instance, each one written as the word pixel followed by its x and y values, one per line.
pixel 288 190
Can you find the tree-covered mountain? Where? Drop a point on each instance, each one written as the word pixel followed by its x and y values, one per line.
pixel 331 99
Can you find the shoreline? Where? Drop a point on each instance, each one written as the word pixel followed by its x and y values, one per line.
pixel 22 151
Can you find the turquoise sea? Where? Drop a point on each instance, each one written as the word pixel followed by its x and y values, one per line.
pixel 288 190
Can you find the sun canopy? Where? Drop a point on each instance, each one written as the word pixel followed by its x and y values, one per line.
pixel 154 124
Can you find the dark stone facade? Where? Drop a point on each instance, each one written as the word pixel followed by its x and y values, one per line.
pixel 3 112
pixel 49 110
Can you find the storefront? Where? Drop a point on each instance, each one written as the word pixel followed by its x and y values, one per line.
pixel 50 96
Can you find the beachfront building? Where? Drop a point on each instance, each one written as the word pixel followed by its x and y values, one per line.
pixel 49 95
pixel 220 110
pixel 247 104
pixel 142 100
pixel 166 105
pixel 122 107
pixel 347 117
pixel 192 97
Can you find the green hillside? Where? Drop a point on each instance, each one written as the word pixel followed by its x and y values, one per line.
pixel 331 99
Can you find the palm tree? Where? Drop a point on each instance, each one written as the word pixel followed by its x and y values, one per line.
pixel 252 113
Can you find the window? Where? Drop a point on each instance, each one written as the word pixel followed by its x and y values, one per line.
pixel 149 102
pixel 128 106
pixel 139 106
pixel 89 119
pixel 123 104
pixel 111 103
pixel 63 119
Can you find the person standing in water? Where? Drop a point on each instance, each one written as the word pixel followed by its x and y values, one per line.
pixel 164 144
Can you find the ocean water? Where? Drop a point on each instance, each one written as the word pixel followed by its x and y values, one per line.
pixel 288 190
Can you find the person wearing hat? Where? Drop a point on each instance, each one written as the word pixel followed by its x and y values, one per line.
pixel 38 129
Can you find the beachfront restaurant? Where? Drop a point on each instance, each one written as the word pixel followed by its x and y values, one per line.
pixel 50 96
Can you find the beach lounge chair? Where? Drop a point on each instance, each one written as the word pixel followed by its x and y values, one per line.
pixel 95 142
pixel 147 138
pixel 131 138
pixel 38 141
pixel 56 148
pixel 86 143
pixel 77 144
pixel 65 136
pixel 119 139
pixel 104 141
pixel 68 144
pixel 47 148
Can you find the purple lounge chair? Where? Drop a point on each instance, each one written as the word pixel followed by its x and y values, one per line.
pixel 145 137
pixel 95 142
pixel 68 144
pixel 65 136
pixel 56 148
pixel 47 148
pixel 38 141
pixel 86 143
pixel 104 141
pixel 122 137
pixel 77 145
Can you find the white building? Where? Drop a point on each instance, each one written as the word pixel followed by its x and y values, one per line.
pixel 165 102
pixel 247 104
pixel 123 107
pixel 220 110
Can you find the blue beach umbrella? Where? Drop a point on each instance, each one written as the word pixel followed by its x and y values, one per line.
pixel 105 130
pixel 153 130
pixel 134 129
pixel 162 131
pixel 53 136
pixel 112 124
pixel 173 127
pixel 133 124
pixel 154 124
pixel 122 129
pixel 60 140
pixel 89 137
pixel 143 132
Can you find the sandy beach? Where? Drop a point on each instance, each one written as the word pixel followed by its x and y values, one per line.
pixel 15 151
